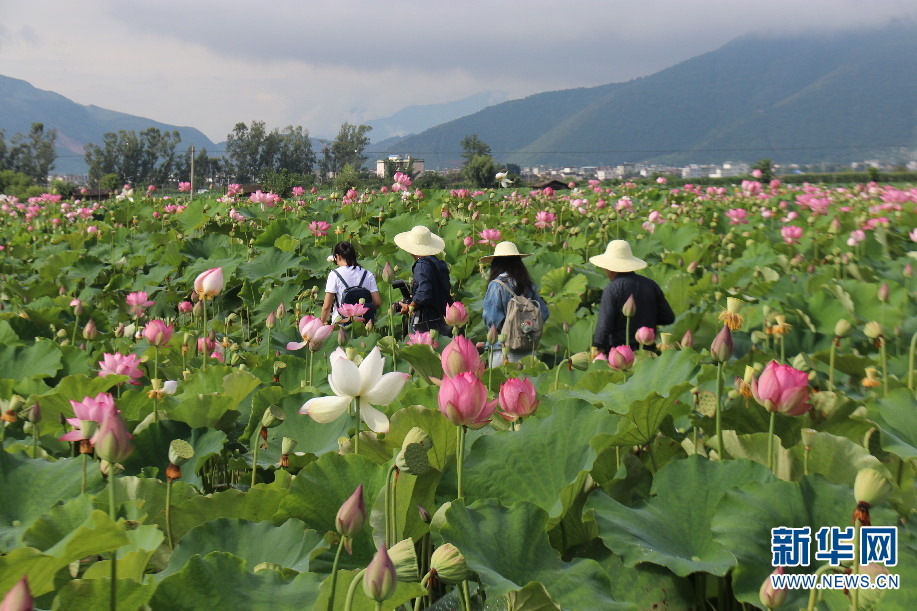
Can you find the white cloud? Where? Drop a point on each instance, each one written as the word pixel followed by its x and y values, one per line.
pixel 211 64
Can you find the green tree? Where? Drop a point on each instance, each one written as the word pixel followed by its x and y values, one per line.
pixel 348 146
pixel 767 169
pixel 473 146
pixel 481 171
pixel 141 158
pixel 33 154
pixel 347 178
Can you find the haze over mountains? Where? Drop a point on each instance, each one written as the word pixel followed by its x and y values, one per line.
pixel 838 97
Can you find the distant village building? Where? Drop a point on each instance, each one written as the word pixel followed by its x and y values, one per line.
pixel 400 164
pixel 730 169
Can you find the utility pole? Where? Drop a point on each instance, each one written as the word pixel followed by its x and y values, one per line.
pixel 192 171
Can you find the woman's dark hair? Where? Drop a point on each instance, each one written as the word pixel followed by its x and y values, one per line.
pixel 346 251
pixel 516 270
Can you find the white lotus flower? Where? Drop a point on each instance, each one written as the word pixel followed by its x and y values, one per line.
pixel 365 383
pixel 503 180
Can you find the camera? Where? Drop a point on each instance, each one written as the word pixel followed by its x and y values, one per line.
pixel 402 286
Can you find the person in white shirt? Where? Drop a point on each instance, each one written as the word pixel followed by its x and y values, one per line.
pixel 350 272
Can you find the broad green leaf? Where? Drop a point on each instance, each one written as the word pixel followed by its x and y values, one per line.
pixel 271 264
pixel 29 488
pixel 647 585
pixel 672 528
pixel 523 554
pixel 640 423
pixel 256 505
pixel 558 282
pixel 894 415
pixel 312 437
pixel 91 594
pixel 151 449
pixel 321 488
pixel 533 597
pixel 503 465
pixel 220 580
pixel 836 458
pixel 404 592
pixel 289 545
pixel 42 359
pixel 133 558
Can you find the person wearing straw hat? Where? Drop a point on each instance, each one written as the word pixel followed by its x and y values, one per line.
pixel 651 307
pixel 430 290
pixel 508 278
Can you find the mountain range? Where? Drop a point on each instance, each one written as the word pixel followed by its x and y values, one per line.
pixel 797 98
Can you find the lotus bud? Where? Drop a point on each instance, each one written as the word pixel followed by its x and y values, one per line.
pixel 908 271
pixel 90 332
pixel 842 328
pixel 271 321
pixel 882 294
pixel 32 413
pixel 76 304
pixel 112 441
pixel 687 340
pixel 351 517
pixel 281 311
pixel 492 334
pixel 424 514
pixel 287 445
pixel 772 597
pixel 799 362
pixel 808 436
pixel 404 557
pixel 342 337
pixel 388 273
pixel 581 360
pixel 871 487
pixel 872 329
pixel 448 564
pixel 180 452
pixel 645 336
pixel 119 330
pixel 692 267
pixel 19 598
pixel 273 416
pixel 61 333
pixel 721 348
pixel 380 578
pixel 630 307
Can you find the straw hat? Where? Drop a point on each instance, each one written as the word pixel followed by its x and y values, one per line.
pixel 420 241
pixel 618 258
pixel 504 249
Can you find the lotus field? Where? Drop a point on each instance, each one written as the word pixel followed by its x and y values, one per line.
pixel 179 432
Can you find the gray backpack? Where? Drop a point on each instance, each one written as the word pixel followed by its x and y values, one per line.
pixel 523 323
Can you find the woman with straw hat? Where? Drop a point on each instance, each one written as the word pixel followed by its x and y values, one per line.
pixel 430 290
pixel 650 306
pixel 508 278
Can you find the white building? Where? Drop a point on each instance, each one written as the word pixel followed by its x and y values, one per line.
pixel 401 164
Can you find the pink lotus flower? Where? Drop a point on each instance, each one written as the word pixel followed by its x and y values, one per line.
pixel 517 399
pixel 352 310
pixel 856 236
pixel 138 303
pixel 461 356
pixel 185 306
pixel 781 388
pixel 157 333
pixel 234 190
pixel 421 337
pixel 351 517
pixel 490 236
pixel 112 441
pixel 456 315
pixel 19 597
pixel 151 189
pixel 319 228
pixel 313 331
pixel 620 357
pixel 547 192
pixel 88 410
pixel 298 191
pixel 463 401
pixel 121 365
pixel 913 235
pixel 757 173
pixel 645 336
pixel 184 187
pixel 402 181
pixel 265 199
pixel 545 219
pixel 209 284
pixel 737 216
pixel 791 234
pixel 661 180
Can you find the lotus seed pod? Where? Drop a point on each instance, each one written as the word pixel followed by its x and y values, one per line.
pixel 842 328
pixel 404 557
pixel 273 416
pixel 872 329
pixel 287 445
pixel 413 459
pixel 808 436
pixel 449 564
pixel 418 436
pixel 180 452
pixel 871 487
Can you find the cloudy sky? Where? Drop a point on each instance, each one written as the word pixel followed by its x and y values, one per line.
pixel 317 63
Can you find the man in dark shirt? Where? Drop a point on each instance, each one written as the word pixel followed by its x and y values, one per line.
pixel 431 284
pixel 651 310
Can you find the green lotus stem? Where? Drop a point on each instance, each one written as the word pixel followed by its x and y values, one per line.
pixel 910 362
pixel 113 600
pixel 155 376
pixel 378 605
pixel 782 351
pixel 805 461
pixel 76 323
pixel 719 423
pixel 770 443
pixel 617 458
pixel 35 435
pixel 257 443
pixel 626 331
pixel 389 507
pixel 466 596
pixel 334 574
pixel 391 325
pixel 356 438
pixel 311 359
pixel 352 590
pixel 169 513
pixel 418 602
pixel 267 342
pixel 556 373
pixel 85 459
pixel 460 459
pixel 884 356
pixel 205 355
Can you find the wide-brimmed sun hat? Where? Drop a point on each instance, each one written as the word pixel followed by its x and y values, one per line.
pixel 420 241
pixel 618 258
pixel 504 249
